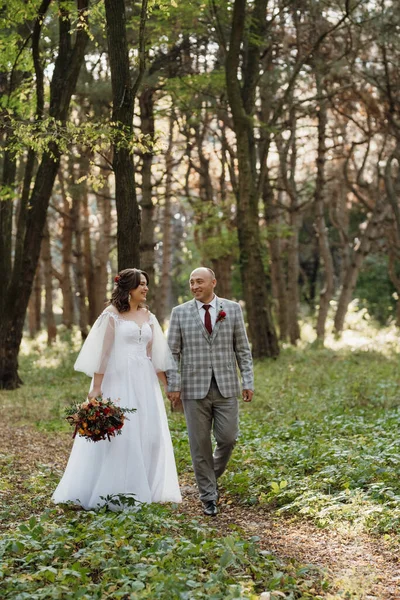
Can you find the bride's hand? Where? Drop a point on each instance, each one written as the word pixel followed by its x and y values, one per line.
pixel 95 393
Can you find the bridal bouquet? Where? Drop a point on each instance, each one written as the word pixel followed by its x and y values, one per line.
pixel 97 419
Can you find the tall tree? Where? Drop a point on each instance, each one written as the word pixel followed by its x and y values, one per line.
pixel 14 297
pixel 242 101
pixel 124 91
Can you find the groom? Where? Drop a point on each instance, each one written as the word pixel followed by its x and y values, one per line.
pixel 207 337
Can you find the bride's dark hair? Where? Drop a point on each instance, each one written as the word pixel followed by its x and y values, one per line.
pixel 125 281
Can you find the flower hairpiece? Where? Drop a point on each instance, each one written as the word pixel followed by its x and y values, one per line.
pixel 117 278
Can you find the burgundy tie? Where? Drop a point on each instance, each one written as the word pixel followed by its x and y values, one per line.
pixel 207 318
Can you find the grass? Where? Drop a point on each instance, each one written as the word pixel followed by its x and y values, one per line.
pixel 320 441
pixel 323 439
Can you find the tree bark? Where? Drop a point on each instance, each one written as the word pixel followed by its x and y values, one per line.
pixel 278 277
pixel 35 304
pixel 48 286
pixel 66 253
pixel 123 92
pixel 102 249
pixel 223 265
pixel 287 165
pixel 78 191
pixel 63 83
pixel 326 293
pixel 147 242
pixel 242 103
pixel 350 279
pixel 293 277
pixel 88 262
pixel 164 296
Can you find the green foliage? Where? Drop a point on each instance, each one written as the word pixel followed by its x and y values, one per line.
pixel 153 552
pixel 322 439
pixel 190 91
pixel 98 136
pixel 217 234
pixel 168 20
pixel 374 289
pixel 150 553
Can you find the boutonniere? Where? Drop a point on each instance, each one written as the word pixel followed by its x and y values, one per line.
pixel 221 315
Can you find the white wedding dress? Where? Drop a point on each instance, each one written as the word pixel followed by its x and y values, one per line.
pixel 140 461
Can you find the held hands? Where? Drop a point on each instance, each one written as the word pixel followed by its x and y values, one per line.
pixel 247 395
pixel 94 393
pixel 174 398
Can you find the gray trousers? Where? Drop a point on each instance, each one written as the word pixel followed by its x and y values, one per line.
pixel 214 412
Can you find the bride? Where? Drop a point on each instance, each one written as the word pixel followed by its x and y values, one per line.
pixel 124 352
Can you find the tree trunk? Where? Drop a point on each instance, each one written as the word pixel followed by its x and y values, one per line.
pixel 78 191
pixel 350 279
pixel 6 214
pixel 278 277
pixel 147 242
pixel 48 286
pixel 326 293
pixel 63 83
pixel 102 249
pixel 339 217
pixel 66 253
pixel 88 262
pixel 242 102
pixel 164 296
pixel 35 304
pixel 222 267
pixel 128 232
pixel 287 165
pixel 293 277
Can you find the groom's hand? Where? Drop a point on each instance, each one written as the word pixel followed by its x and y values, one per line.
pixel 174 398
pixel 247 395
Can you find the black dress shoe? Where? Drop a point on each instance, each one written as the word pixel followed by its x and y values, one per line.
pixel 210 508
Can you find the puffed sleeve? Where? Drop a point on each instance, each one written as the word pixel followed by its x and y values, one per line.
pixel 161 355
pixel 96 350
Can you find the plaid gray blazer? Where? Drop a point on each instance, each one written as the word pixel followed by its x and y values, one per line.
pixel 198 354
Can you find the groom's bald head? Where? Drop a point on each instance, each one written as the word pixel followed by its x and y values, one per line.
pixel 202 283
pixel 204 272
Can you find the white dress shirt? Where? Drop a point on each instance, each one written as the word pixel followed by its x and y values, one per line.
pixel 212 310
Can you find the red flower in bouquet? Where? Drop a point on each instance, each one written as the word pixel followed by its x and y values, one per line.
pixel 97 419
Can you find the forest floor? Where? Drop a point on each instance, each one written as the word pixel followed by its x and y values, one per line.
pixel 310 503
pixel 356 565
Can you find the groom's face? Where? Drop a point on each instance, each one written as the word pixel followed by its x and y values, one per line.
pixel 202 285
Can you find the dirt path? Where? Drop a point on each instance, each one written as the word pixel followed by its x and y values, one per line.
pixel 358 566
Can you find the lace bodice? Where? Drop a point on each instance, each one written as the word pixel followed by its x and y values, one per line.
pixel 114 340
pixel 132 338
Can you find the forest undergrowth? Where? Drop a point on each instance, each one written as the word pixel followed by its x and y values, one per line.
pixel 319 448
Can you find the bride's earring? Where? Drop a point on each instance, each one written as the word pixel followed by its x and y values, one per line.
pixel 129 297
